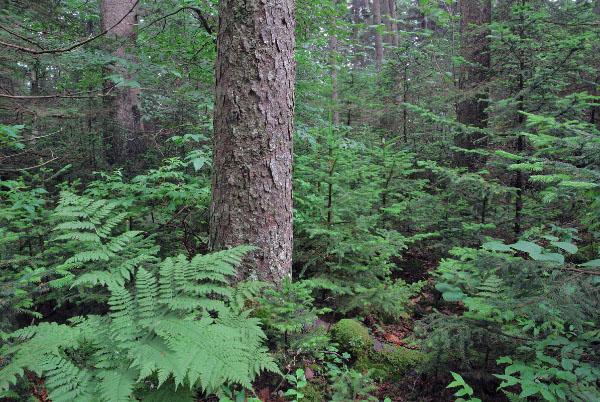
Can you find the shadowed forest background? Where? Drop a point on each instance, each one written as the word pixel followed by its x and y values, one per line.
pixel 446 200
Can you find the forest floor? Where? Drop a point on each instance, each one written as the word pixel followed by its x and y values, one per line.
pixel 413 386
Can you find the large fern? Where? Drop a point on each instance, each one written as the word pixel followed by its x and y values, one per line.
pixel 169 329
pixel 87 227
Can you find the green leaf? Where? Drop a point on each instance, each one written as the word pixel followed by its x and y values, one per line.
pixel 453 296
pixel 592 263
pixel 567 364
pixel 450 292
pixel 495 246
pixel 458 380
pixel 198 163
pixel 504 359
pixel 527 247
pixel 568 247
pixel 528 390
pixel 547 395
pixel 554 257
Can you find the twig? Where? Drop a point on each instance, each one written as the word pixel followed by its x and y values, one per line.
pixel 581 271
pixel 74 95
pixel 552 289
pixel 41 136
pixel 53 158
pixel 22 37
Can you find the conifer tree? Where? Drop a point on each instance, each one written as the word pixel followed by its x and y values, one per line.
pixel 252 157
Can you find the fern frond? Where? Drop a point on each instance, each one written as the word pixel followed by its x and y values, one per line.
pixel 105 230
pixel 154 356
pixel 122 314
pixel 117 385
pixel 66 381
pixel 75 225
pixel 491 288
pixel 81 236
pixel 118 243
pixel 88 256
pixel 147 296
pixel 168 392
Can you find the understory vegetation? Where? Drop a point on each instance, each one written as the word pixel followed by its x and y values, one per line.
pixel 423 269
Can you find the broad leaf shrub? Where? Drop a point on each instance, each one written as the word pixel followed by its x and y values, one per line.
pixel 523 310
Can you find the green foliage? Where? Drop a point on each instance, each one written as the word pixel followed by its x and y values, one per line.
pixel 87 226
pixel 237 396
pixel 10 136
pixel 298 381
pixel 375 192
pixel 165 327
pixel 562 362
pixel 345 190
pixel 351 386
pixel 534 302
pixel 465 389
pixel 168 201
pixel 22 234
pixel 290 318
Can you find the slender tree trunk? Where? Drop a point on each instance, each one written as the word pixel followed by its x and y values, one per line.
pixel 385 19
pixel 378 37
pixel 473 75
pixel 394 23
pixel 595 110
pixel 252 158
pixel 520 121
pixel 335 115
pixel 121 131
pixel 357 48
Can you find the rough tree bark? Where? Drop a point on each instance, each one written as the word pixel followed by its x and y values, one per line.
pixel 123 117
pixel 378 37
pixel 384 6
pixel 394 23
pixel 473 72
pixel 252 158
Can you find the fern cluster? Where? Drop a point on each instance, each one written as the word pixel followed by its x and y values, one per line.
pixel 170 330
pixel 86 226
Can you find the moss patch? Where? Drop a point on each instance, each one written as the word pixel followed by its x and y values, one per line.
pixel 313 393
pixel 401 359
pixel 352 338
pixel 391 364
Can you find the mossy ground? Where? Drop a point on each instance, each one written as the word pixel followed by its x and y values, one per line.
pixel 352 337
pixel 389 364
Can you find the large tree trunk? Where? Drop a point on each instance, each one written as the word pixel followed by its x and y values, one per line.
pixel 252 158
pixel 122 129
pixel 475 49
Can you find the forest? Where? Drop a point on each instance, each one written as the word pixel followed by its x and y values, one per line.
pixel 299 200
